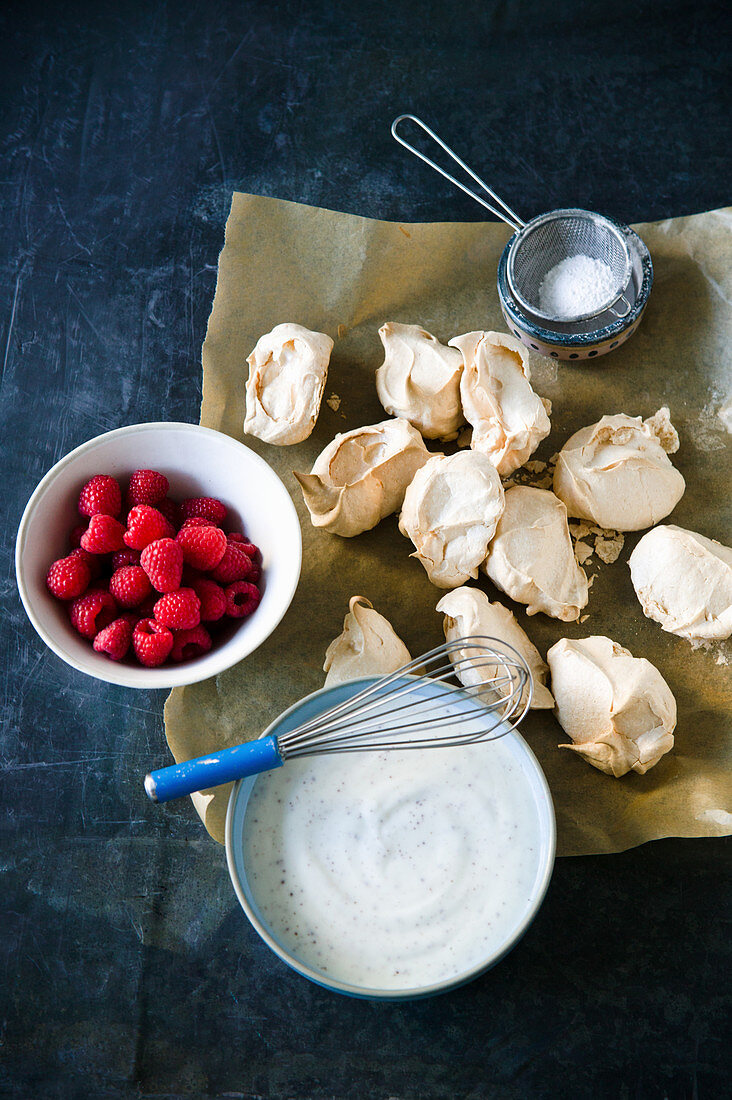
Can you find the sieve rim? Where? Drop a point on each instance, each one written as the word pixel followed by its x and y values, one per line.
pixel 616 228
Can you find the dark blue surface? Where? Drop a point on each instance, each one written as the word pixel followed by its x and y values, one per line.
pixel 128 968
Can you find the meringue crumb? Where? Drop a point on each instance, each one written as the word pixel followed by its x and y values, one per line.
pixel 591 580
pixel 582 551
pixel 536 466
pixel 334 402
pixel 579 530
pixel 342 330
pixel 403 230
pixel 583 618
pixel 608 549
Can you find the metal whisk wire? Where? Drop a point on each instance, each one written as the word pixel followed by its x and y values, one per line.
pixel 417 707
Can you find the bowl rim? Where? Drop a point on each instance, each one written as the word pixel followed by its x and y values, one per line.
pixel 164 677
pixel 418 992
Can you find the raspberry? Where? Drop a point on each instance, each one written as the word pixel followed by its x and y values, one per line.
pixel 93 562
pixel 244 545
pixel 130 585
pixel 179 610
pixel 190 643
pixel 197 521
pixel 92 612
pixel 125 557
pixel 75 535
pixel 115 639
pixel 234 566
pixel 146 525
pixel 170 510
pixel 203 547
pixel 206 507
pixel 151 642
pixel 147 487
pixel 162 560
pixel 100 496
pixel 68 577
pixel 103 535
pixel 255 573
pixel 212 597
pixel 241 599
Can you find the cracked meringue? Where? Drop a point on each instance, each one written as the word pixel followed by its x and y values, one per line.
pixel 531 557
pixel 617 709
pixel 684 581
pixel 420 380
pixel 362 475
pixel 617 472
pixel 509 420
pixel 450 513
pixel 287 373
pixel 468 611
pixel 368 646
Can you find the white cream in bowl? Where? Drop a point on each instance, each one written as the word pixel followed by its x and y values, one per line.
pixel 400 871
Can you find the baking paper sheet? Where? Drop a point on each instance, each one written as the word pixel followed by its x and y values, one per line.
pixel 346 275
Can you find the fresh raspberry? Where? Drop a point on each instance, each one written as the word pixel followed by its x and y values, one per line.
pixel 94 562
pixel 245 546
pixel 234 566
pixel 146 525
pixel 130 585
pixel 206 507
pixel 103 535
pixel 68 577
pixel 92 612
pixel 162 560
pixel 179 610
pixel 147 487
pixel 100 496
pixel 151 642
pixel 125 557
pixel 255 573
pixel 170 510
pixel 146 610
pixel 236 536
pixel 115 639
pixel 75 535
pixel 213 599
pixel 203 547
pixel 241 599
pixel 188 644
pixel 197 521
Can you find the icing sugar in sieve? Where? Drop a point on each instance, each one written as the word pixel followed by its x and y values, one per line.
pixel 543 244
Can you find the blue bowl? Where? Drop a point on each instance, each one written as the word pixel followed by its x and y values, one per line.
pixel 307 709
pixel 583 339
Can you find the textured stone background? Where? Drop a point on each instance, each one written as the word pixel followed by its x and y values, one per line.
pixel 128 968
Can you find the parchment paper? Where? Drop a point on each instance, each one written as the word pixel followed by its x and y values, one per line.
pixel 346 275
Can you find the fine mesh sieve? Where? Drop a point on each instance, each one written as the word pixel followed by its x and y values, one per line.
pixel 539 245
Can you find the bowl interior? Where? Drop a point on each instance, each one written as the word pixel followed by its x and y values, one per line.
pixel 197 462
pixel 532 775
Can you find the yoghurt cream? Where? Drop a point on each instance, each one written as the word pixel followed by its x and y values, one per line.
pixel 397 870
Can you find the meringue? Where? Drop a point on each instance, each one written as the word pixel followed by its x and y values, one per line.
pixel 617 709
pixel 684 581
pixel 368 646
pixel 450 513
pixel 509 420
pixel 287 373
pixel 420 380
pixel 531 557
pixel 617 472
pixel 362 475
pixel 468 611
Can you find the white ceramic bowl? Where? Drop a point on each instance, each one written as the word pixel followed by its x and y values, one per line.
pixel 197 462
pixel 531 775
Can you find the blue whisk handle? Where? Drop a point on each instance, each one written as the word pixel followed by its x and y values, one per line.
pixel 213 770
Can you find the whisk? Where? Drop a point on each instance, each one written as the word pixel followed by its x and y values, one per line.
pixel 538 245
pixel 413 708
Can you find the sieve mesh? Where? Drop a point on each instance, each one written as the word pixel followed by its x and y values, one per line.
pixel 551 238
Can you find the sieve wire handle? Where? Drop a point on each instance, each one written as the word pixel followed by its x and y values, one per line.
pixel 501 209
pixel 618 312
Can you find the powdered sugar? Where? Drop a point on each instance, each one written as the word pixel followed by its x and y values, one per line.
pixel 576 286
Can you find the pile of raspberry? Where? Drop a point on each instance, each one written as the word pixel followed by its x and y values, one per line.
pixel 149 577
